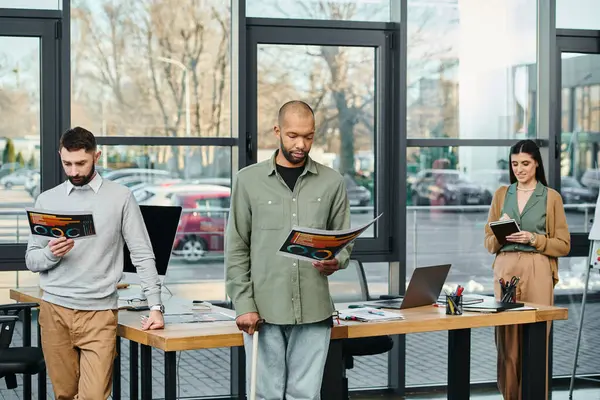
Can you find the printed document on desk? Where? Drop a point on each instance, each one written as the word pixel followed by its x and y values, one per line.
pixel 317 244
pixel 369 314
pixel 55 224
pixel 189 318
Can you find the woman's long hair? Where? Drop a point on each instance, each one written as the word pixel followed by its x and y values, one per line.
pixel 530 147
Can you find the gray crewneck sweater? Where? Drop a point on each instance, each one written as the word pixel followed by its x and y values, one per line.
pixel 86 277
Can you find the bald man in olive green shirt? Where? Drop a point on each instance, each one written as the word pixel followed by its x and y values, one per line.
pixel 290 295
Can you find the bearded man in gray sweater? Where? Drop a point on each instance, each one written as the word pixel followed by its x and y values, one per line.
pixel 78 311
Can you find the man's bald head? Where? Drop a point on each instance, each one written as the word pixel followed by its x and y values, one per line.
pixel 295 131
pixel 297 108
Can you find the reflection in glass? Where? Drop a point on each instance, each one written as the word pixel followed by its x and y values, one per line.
pixel 449 194
pixel 470 73
pixel 580 174
pixel 19 134
pixel 156 70
pixel 339 83
pixel 348 10
pixel 194 178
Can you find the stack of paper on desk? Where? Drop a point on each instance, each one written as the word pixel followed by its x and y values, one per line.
pixel 367 314
pixel 197 317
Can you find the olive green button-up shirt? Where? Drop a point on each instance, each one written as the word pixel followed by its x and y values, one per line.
pixel 282 290
pixel 533 217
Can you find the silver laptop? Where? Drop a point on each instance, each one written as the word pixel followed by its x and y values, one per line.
pixel 423 289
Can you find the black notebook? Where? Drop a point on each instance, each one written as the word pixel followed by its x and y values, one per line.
pixel 505 228
pixel 491 306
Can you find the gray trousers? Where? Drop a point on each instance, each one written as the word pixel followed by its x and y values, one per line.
pixel 291 360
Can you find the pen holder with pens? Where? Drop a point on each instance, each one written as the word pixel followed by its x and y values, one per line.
pixel 509 290
pixel 454 305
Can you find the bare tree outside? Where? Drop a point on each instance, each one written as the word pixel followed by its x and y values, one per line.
pixel 19 89
pixel 432 70
pixel 138 65
pixel 339 83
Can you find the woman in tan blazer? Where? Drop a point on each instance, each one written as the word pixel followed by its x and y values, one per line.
pixel 531 255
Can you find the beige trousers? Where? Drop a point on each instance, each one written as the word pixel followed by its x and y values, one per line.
pixel 79 350
pixel 535 286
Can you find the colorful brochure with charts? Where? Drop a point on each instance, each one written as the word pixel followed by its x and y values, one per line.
pixel 72 225
pixel 318 245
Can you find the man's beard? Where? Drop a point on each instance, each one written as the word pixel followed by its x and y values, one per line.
pixel 288 155
pixel 82 181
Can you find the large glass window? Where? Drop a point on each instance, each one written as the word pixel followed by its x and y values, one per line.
pixel 450 191
pixel 19 133
pixel 470 68
pixel 32 4
pixel 580 174
pixel 577 14
pixel 348 10
pixel 572 275
pixel 156 70
pixel 157 176
pixel 339 83
pixel 162 70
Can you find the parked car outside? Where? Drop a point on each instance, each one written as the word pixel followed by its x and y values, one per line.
pixel 442 187
pixel 201 228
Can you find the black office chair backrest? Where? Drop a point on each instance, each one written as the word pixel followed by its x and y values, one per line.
pixel 349 284
pixel 7 326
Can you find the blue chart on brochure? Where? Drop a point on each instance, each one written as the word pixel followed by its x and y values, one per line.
pixel 72 225
pixel 317 245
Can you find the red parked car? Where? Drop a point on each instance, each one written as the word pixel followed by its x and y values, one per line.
pixel 202 224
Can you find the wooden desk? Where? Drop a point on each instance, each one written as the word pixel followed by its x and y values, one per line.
pixel 180 337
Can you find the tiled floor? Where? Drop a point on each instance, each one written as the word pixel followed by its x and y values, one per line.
pixel 579 394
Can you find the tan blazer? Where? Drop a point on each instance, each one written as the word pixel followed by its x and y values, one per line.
pixel 557 241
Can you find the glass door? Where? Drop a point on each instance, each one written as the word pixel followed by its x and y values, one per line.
pixel 578 126
pixel 28 125
pixel 342 74
pixel 580 137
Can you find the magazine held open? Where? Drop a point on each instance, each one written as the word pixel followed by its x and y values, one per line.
pixel 55 224
pixel 317 244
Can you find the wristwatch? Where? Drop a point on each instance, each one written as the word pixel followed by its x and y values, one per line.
pixel 532 239
pixel 158 307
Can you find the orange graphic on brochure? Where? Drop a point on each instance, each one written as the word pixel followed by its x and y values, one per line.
pixel 321 241
pixel 311 244
pixel 51 220
pixel 71 225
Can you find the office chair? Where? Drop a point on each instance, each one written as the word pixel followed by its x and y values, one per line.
pixel 356 347
pixel 17 360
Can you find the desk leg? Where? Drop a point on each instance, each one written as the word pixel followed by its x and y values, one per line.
pixel 134 392
pixel 534 361
pixel 146 355
pixel 117 371
pixel 459 364
pixel 332 387
pixel 42 374
pixel 27 343
pixel 170 375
